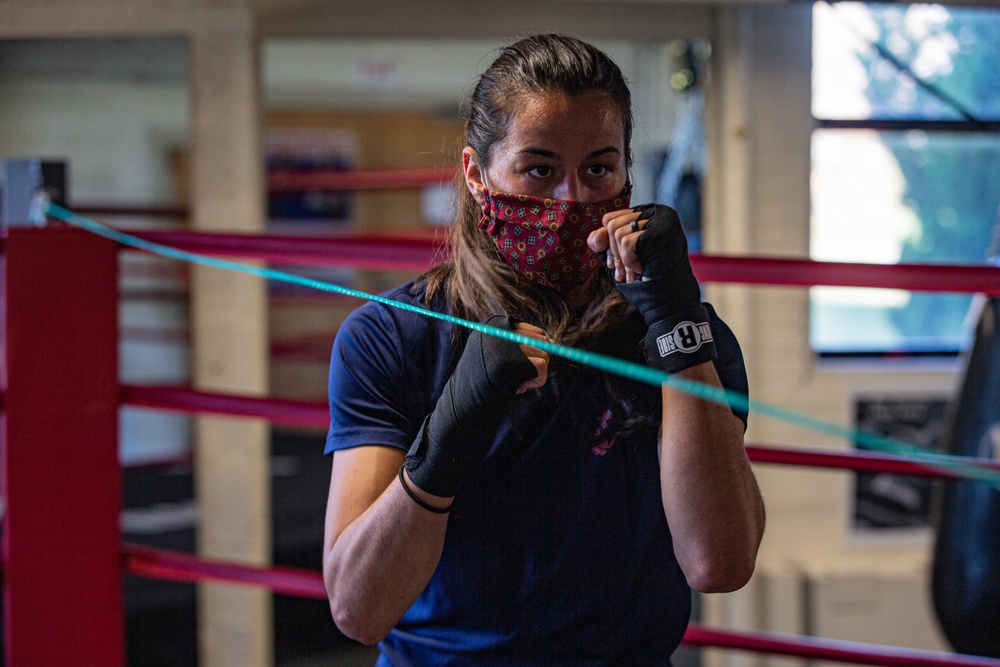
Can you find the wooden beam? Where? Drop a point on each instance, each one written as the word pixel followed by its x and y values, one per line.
pixel 229 341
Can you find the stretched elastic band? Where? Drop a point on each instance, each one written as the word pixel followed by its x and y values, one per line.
pixel 639 372
pixel 411 494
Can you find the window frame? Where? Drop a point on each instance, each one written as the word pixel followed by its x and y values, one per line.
pixel 968 124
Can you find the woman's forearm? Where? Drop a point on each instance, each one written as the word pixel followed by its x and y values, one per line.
pixel 710 496
pixel 380 563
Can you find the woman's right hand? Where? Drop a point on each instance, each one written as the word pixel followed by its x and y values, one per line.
pixel 380 547
pixel 616 241
pixel 475 401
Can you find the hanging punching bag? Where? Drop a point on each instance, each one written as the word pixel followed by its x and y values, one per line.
pixel 966 571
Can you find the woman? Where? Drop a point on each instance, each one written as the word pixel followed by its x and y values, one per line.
pixel 492 505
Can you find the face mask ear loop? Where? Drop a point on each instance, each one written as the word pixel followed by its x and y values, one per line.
pixel 484 221
pixel 486 185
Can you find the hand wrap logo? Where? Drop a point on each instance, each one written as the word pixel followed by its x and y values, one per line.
pixel 686 337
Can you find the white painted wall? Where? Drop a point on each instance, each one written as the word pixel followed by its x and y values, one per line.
pixel 115 134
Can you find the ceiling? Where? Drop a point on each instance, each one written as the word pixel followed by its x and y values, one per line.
pixel 488 18
pixel 479 18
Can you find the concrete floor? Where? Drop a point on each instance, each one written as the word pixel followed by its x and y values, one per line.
pixel 348 656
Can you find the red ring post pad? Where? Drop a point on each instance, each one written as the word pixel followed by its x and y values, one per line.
pixel 830 649
pixel 63 599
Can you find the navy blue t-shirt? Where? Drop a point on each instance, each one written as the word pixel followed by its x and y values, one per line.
pixel 557 549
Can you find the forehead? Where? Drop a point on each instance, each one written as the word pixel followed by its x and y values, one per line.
pixel 545 119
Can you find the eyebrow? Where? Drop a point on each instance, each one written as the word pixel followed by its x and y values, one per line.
pixel 532 150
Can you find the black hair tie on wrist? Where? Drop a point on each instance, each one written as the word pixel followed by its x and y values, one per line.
pixel 411 494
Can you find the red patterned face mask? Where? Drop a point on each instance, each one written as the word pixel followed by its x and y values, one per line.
pixel 546 239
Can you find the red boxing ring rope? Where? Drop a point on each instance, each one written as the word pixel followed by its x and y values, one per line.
pixel 292 181
pixel 369 179
pixel 807 273
pixel 174 566
pixel 314 415
pixel 394 252
pixel 830 649
pixel 418 252
pixel 859 462
pixel 279 411
pixel 145 211
pixel 414 252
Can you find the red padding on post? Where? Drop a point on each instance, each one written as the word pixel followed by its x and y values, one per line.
pixel 278 410
pixel 830 649
pixel 175 566
pixel 63 599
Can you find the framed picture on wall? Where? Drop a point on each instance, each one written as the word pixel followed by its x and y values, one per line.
pixel 307 152
pixel 311 211
pixel 884 500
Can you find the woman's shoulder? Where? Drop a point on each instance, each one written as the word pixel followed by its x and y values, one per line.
pixel 403 314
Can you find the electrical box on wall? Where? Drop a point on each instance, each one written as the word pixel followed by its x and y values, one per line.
pixel 22 182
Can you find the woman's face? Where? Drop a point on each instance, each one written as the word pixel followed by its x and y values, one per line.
pixel 557 146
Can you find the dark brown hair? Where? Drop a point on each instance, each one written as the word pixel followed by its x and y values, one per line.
pixel 475 280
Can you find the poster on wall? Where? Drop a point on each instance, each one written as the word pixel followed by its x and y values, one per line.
pixel 314 211
pixel 883 500
pixel 304 152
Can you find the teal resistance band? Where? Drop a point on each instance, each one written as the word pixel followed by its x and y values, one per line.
pixel 626 369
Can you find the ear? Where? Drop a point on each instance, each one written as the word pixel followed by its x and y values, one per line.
pixel 473 175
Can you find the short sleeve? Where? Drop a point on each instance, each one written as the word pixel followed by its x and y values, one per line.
pixel 366 394
pixel 729 362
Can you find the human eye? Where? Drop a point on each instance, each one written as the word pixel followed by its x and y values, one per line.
pixel 598 170
pixel 540 171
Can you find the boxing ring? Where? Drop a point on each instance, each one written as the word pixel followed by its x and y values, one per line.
pixel 62 549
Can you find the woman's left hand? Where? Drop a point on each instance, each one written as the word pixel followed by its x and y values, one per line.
pixel 618 238
pixel 539 358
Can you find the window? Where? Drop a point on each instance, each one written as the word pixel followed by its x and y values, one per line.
pixel 905 166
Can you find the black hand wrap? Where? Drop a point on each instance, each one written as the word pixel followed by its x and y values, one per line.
pixel 475 400
pixel 668 296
